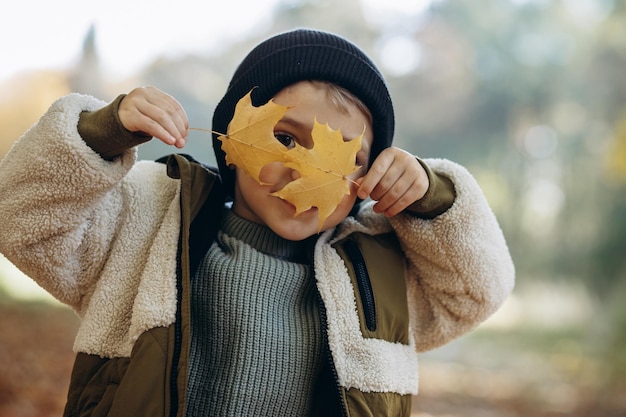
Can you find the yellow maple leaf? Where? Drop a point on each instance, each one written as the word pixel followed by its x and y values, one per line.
pixel 323 170
pixel 250 144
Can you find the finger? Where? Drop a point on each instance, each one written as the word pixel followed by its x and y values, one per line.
pixel 411 186
pixel 169 113
pixel 374 175
pixel 155 113
pixel 386 196
pixel 153 128
pixel 400 196
pixel 171 129
pixel 385 187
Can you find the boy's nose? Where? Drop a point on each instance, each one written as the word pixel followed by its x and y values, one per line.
pixel 277 176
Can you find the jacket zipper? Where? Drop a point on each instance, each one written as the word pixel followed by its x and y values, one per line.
pixel 363 282
pixel 329 357
pixel 178 340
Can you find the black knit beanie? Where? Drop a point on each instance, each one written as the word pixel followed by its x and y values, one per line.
pixel 301 55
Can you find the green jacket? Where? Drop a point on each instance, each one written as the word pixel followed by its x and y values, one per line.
pixel 118 241
pixel 160 355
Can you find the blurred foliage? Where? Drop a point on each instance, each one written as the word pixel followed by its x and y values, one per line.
pixel 24 99
pixel 528 94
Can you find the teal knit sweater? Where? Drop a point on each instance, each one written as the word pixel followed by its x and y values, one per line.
pixel 256 342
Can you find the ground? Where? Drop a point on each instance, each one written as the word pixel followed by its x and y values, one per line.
pixel 474 377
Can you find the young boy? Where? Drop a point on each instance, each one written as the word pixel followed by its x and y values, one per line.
pixel 192 306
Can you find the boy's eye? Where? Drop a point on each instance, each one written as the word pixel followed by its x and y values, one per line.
pixel 286 139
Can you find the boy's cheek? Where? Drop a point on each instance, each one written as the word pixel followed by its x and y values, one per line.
pixel 270 173
pixel 357 175
pixel 341 212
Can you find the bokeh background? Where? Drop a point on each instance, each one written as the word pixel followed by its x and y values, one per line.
pixel 528 94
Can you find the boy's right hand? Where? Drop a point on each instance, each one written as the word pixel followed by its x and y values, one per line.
pixel 151 111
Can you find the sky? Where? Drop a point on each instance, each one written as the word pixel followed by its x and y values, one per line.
pixel 37 34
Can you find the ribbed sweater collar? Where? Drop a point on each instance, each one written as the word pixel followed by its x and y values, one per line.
pixel 263 239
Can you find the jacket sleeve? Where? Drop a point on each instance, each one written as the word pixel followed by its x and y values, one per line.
pixel 103 131
pixel 54 191
pixel 459 267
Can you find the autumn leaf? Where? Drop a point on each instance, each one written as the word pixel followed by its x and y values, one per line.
pixel 249 142
pixel 323 170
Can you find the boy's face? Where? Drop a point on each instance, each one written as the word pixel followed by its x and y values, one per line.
pixel 254 201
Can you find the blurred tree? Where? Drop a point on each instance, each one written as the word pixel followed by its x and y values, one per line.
pixel 86 76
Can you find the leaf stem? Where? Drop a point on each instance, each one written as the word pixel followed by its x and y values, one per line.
pixel 353 182
pixel 206 130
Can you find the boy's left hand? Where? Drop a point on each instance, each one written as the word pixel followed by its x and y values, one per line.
pixel 395 180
